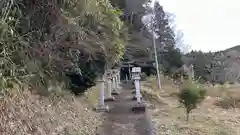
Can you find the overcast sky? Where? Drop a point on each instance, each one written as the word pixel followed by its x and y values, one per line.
pixel 207 24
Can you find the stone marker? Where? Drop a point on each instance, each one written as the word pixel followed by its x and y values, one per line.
pixel 140 106
pixel 102 107
pixel 191 72
pixel 118 79
pixel 133 87
pixel 136 83
pixel 109 88
pixel 114 84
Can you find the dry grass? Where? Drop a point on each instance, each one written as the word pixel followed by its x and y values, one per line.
pixel 210 118
pixel 23 113
pixel 92 96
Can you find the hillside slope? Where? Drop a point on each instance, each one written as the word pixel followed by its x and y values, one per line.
pixel 60 114
pixel 46 41
pixel 236 48
pixel 205 64
pixel 43 43
pixel 218 114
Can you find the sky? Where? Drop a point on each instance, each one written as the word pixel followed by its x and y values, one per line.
pixel 207 25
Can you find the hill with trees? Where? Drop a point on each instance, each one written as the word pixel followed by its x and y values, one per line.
pixel 45 42
pixel 140 47
pixel 46 47
pixel 205 64
pixel 50 40
pixel 49 47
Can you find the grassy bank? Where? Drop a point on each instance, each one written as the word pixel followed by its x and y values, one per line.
pixel 23 112
pixel 217 115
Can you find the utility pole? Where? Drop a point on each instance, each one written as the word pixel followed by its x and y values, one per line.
pixel 155 51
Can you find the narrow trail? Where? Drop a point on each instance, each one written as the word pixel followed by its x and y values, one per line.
pixel 121 120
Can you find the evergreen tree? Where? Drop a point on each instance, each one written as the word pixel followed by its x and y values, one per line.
pixel 169 55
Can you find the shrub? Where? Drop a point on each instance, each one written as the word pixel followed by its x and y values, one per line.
pixel 191 95
pixel 44 41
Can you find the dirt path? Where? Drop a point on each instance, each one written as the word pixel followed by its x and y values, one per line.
pixel 121 120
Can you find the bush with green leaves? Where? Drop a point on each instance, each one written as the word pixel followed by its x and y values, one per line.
pixel 191 95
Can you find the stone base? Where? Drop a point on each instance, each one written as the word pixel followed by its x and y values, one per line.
pixel 101 108
pixel 109 99
pixel 139 107
pixel 114 92
pixel 119 87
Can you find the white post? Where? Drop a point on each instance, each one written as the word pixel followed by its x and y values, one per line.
pixel 155 51
pixel 102 107
pixel 102 92
pixel 109 84
pixel 114 83
pixel 109 87
pixel 136 76
pixel 138 94
pixel 192 72
pixel 118 76
pixel 140 106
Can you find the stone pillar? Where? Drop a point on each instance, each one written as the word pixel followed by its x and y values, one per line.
pixel 109 88
pixel 191 72
pixel 138 93
pixel 118 79
pixel 102 107
pixel 119 76
pixel 136 79
pixel 114 84
pixel 102 87
pixel 140 106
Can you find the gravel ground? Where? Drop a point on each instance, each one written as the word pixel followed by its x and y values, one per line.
pixel 121 120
